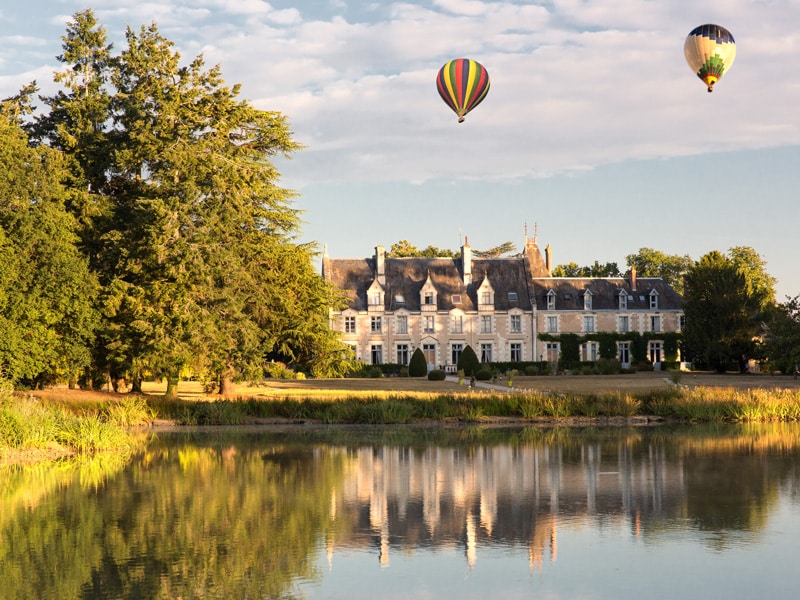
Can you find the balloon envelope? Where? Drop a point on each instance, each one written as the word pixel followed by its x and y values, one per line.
pixel 462 83
pixel 710 51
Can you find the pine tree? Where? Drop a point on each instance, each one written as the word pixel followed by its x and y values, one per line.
pixel 468 361
pixel 417 366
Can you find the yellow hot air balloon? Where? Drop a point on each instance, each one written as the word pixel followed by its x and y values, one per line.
pixel 710 51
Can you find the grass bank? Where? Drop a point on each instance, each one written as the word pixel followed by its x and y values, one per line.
pixel 689 404
pixel 33 429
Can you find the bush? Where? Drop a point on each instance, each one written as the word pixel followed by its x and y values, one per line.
pixel 417 366
pixel 608 366
pixel 484 375
pixel 437 375
pixel 468 361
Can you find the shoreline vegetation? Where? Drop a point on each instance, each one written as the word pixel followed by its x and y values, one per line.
pixel 61 423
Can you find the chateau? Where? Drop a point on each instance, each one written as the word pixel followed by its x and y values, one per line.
pixel 498 306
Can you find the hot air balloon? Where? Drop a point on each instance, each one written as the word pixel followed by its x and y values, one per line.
pixel 462 84
pixel 710 50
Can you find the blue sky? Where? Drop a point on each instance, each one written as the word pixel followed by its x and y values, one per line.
pixel 594 132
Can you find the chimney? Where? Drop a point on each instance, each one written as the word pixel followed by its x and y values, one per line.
pixel 633 278
pixel 466 261
pixel 548 252
pixel 380 265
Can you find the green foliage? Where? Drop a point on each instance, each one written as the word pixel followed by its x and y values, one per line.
pixel 404 248
pixel 468 361
pixel 417 366
pixel 497 251
pixel 782 336
pixel 570 348
pixel 596 270
pixel 437 375
pixel 173 191
pixel 727 299
pixel 47 293
pixel 654 263
pixel 484 374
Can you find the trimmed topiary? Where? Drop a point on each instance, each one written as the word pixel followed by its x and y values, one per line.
pixel 417 366
pixel 436 375
pixel 468 361
pixel 484 375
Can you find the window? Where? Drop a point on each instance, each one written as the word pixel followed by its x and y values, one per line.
pixel 375 325
pixel 551 300
pixel 513 297
pixel 399 299
pixel 655 323
pixel 402 324
pixel 625 353
pixel 456 298
pixel 653 300
pixel 429 324
pixel 623 324
pixel 486 324
pixel 516 351
pixel 588 324
pixel 429 350
pixel 589 351
pixel 456 350
pixel 587 300
pixel 349 324
pixel 552 324
pixel 486 298
pixel 552 352
pixel 375 299
pixel 376 352
pixel 458 324
pixel 428 298
pixel 623 301
pixel 654 352
pixel 402 354
pixel 515 324
pixel 682 322
pixel 486 353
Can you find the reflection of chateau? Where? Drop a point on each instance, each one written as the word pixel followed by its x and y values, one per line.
pixel 399 497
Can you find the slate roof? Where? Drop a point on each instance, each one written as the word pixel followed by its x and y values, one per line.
pixel 405 278
pixel 605 293
pixel 524 275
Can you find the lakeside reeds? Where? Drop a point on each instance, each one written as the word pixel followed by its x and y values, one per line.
pixel 57 430
pixel 63 428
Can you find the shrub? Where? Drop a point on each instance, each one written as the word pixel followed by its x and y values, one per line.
pixel 468 361
pixel 437 375
pixel 417 366
pixel 608 366
pixel 484 375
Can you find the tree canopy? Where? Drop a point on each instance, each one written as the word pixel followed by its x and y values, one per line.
pixel 596 270
pixel 654 263
pixel 170 181
pixel 727 299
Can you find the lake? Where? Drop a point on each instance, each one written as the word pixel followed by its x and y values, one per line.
pixel 403 512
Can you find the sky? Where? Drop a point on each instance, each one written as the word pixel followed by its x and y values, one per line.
pixel 595 135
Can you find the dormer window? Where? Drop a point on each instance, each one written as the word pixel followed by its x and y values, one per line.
pixel 513 297
pixel 587 300
pixel 486 297
pixel 375 299
pixel 456 298
pixel 399 299
pixel 427 298
pixel 551 300
pixel 623 300
pixel 654 300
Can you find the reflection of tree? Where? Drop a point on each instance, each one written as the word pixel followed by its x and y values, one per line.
pixel 235 520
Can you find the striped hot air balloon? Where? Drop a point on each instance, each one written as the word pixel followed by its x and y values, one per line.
pixel 710 50
pixel 462 83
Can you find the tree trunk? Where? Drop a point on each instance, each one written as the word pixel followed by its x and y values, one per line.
pixel 136 385
pixel 172 388
pixel 226 385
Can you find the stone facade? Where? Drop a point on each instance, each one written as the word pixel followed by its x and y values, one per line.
pixel 498 306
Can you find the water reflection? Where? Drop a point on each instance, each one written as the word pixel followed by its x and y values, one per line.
pixel 379 512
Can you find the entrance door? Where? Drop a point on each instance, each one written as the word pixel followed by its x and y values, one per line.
pixel 429 350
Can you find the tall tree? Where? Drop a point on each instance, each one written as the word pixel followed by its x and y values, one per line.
pixel 497 251
pixel 726 301
pixel 654 263
pixel 47 293
pixel 782 336
pixel 196 255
